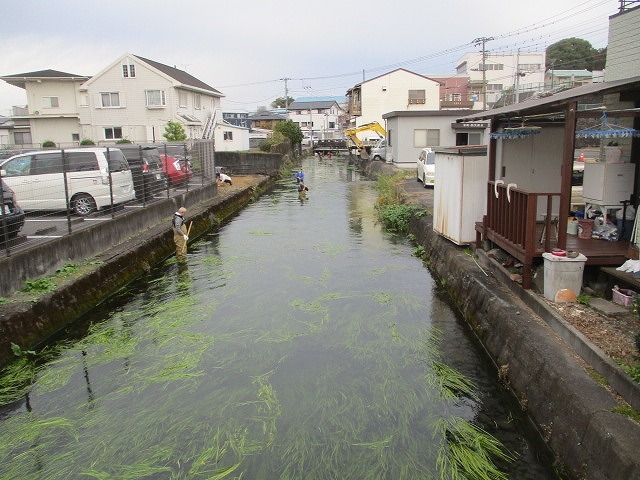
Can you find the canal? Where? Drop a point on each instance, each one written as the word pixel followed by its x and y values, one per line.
pixel 299 341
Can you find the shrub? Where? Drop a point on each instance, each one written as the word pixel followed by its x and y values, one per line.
pixel 87 141
pixel 49 144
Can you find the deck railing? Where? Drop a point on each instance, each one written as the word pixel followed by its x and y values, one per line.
pixel 511 221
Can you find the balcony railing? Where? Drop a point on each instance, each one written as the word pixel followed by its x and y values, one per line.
pixel 511 222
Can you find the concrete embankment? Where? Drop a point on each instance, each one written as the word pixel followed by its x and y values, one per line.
pixel 138 239
pixel 573 413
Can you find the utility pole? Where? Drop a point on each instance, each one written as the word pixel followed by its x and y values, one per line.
pixel 483 41
pixel 517 83
pixel 286 92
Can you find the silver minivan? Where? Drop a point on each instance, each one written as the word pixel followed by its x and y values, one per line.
pixel 38 179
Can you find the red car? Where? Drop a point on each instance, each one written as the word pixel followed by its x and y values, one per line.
pixel 176 168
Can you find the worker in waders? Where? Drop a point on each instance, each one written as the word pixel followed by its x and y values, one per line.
pixel 180 236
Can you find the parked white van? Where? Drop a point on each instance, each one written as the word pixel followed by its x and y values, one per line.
pixel 38 179
pixel 379 150
pixel 426 167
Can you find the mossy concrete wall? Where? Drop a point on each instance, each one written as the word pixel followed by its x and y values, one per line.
pixel 29 324
pixel 573 413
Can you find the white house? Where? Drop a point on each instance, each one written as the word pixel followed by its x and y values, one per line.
pixel 52 112
pixel 398 90
pixel 318 117
pixel 623 49
pixel 133 98
pixel 502 71
pixel 231 138
pixel 409 132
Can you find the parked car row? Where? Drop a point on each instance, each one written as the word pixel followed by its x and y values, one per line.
pixel 86 179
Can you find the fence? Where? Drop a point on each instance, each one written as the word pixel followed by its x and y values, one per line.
pixel 66 190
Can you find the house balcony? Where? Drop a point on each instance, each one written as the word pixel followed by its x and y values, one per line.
pixel 512 223
pixel 456 104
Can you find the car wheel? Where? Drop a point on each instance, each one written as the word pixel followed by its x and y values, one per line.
pixel 377 158
pixel 83 204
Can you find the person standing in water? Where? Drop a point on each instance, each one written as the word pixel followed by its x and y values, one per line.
pixel 180 236
pixel 299 176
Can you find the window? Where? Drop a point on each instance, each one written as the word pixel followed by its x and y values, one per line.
pixel 465 138
pixel 113 133
pixel 228 135
pixel 490 66
pixel 75 137
pixel 18 166
pixel 155 98
pixel 528 67
pixel 22 138
pixel 182 99
pixel 416 97
pixel 494 87
pixel 110 99
pixel 426 138
pixel 129 71
pixel 196 101
pixel 81 161
pixel 50 102
pixel 117 161
pixel 46 163
pixel 332 125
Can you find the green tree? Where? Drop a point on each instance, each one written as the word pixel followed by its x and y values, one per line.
pixel 291 130
pixel 282 102
pixel 174 132
pixel 573 54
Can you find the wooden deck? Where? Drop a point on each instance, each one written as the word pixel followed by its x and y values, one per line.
pixel 598 252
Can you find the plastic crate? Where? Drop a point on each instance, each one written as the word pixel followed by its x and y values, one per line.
pixel 623 296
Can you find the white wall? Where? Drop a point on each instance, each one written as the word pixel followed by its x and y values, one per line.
pixel 48 124
pixel 403 151
pixel 390 92
pixel 533 163
pixel 623 50
pixel 239 142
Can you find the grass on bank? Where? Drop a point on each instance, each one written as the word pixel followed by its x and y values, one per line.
pixel 392 211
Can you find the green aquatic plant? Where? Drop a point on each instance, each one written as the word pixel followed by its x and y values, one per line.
pixel 469 452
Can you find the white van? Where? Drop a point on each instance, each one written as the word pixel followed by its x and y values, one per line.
pixel 426 167
pixel 379 150
pixel 38 179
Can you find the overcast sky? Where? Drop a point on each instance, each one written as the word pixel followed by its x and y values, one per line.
pixel 244 48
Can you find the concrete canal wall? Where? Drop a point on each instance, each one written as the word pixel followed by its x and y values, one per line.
pixel 572 412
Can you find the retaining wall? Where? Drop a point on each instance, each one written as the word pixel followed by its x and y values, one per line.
pixel 241 163
pixel 573 413
pixel 29 324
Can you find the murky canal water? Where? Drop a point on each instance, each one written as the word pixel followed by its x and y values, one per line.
pixel 299 342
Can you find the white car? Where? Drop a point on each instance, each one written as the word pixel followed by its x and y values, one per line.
pixel 426 167
pixel 90 178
